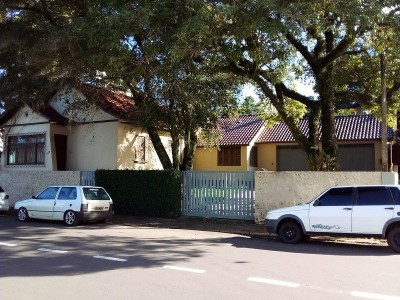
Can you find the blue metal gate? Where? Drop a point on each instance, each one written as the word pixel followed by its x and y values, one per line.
pixel 218 194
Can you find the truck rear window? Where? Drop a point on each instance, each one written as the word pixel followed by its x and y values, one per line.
pixel 95 194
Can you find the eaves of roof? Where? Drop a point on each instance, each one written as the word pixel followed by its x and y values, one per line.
pixel 239 131
pixel 348 128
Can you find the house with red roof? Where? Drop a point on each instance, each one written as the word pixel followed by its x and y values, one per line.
pixel 235 149
pixel 72 134
pixel 359 145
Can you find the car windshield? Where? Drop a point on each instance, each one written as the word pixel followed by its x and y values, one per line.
pixel 95 194
pixel 1 190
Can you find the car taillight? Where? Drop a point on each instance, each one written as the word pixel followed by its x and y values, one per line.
pixel 111 207
pixel 84 207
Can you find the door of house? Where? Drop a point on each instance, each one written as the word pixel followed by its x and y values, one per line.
pixel 291 158
pixel 60 141
pixel 360 157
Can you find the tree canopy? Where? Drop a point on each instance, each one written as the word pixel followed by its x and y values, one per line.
pixel 179 59
pixel 275 42
pixel 118 45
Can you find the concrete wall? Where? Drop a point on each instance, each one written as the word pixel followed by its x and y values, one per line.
pixel 23 184
pixel 280 189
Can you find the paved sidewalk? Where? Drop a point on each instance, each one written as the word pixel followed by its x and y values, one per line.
pixel 248 228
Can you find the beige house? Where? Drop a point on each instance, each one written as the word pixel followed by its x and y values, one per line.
pixel 236 149
pixel 85 138
pixel 359 143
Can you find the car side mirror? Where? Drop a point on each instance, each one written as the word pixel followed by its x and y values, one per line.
pixel 33 197
pixel 316 202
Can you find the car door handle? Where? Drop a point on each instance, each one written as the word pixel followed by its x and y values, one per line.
pixel 347 208
pixel 389 208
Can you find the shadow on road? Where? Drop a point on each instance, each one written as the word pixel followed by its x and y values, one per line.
pixel 82 243
pixel 317 245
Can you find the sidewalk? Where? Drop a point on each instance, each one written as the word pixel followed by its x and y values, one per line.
pixel 248 228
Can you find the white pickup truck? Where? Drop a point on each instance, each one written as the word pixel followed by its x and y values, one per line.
pixel 371 211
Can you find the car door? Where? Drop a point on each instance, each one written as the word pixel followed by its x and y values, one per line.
pixel 43 204
pixel 331 212
pixel 66 199
pixel 373 207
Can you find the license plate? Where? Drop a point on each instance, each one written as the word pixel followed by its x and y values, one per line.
pixel 98 208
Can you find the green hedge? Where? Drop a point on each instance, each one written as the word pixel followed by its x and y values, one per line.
pixel 143 193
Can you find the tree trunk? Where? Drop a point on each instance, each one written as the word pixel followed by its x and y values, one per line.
pixel 159 148
pixel 175 147
pixel 384 116
pixel 189 150
pixel 328 132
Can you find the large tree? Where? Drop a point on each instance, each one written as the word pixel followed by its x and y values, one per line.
pixel 272 43
pixel 114 44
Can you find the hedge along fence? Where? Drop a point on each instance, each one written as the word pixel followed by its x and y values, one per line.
pixel 143 193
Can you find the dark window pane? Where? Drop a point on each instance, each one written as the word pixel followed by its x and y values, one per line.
pixel 337 197
pixel 374 196
pixel 396 195
pixel 67 193
pixel 229 156
pixel 95 194
pixel 49 193
pixel 26 149
pixel 253 157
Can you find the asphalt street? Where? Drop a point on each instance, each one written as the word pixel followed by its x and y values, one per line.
pixel 47 260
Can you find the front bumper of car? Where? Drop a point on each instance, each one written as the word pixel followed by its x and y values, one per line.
pixel 271 225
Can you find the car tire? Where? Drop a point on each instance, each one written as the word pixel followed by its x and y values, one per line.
pixel 393 239
pixel 290 233
pixel 22 214
pixel 70 218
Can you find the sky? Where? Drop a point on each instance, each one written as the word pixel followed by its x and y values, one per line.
pixel 250 90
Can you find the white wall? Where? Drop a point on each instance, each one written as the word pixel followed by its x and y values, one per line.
pixel 127 135
pixel 37 125
pixel 84 152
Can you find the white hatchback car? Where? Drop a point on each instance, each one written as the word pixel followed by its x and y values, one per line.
pixel 4 201
pixel 70 204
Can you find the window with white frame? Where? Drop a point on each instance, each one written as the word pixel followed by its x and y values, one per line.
pixel 26 149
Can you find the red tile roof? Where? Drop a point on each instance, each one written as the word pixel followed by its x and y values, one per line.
pixel 348 128
pixel 239 131
pixel 115 103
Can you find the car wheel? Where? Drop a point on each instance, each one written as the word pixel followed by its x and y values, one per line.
pixel 393 239
pixel 70 218
pixel 290 233
pixel 23 215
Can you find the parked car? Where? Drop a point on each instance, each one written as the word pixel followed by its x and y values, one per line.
pixel 70 204
pixel 370 211
pixel 4 201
